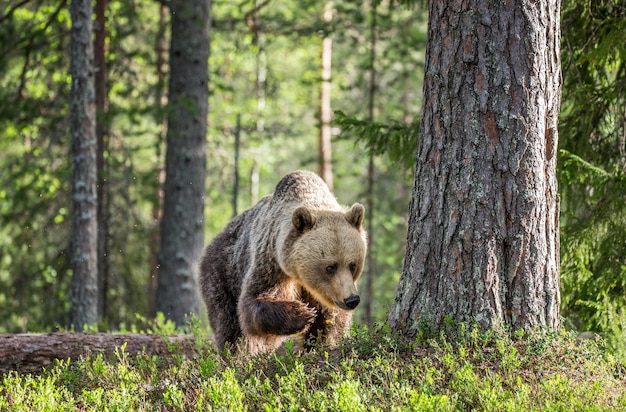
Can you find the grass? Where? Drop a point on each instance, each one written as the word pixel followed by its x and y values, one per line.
pixel 369 371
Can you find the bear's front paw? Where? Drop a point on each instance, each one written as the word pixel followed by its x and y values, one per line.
pixel 302 316
pixel 283 317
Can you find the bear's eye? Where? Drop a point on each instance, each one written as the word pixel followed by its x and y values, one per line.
pixel 331 269
pixel 352 267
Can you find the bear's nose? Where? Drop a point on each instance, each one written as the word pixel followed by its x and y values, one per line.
pixel 352 302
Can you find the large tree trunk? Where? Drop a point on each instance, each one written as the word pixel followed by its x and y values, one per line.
pixel 483 241
pixel 84 285
pixel 182 229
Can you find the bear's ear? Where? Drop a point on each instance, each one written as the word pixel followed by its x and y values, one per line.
pixel 302 219
pixel 354 215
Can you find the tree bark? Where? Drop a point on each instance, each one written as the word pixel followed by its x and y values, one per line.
pixel 101 96
pixel 325 166
pixel 371 179
pixel 159 170
pixel 483 241
pixel 29 353
pixel 84 262
pixel 237 149
pixel 182 228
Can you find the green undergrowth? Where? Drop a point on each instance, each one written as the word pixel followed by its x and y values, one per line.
pixel 369 371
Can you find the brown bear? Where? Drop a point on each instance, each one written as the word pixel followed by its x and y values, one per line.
pixel 287 266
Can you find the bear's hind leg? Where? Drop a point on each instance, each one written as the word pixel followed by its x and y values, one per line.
pixel 228 331
pixel 221 308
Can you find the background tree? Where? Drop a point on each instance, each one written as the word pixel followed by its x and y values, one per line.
pixel 159 170
pixel 483 229
pixel 84 250
pixel 182 229
pixel 370 268
pixel 325 165
pixel 101 92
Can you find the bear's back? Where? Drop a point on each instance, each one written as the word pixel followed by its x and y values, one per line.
pixel 306 188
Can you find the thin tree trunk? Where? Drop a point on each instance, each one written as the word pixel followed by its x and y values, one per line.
pixel 101 131
pixel 371 178
pixel 182 228
pixel 325 167
pixel 159 171
pixel 483 242
pixel 254 182
pixel 261 65
pixel 236 184
pixel 84 262
pixel 261 84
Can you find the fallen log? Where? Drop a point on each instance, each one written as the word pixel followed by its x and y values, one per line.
pixel 28 353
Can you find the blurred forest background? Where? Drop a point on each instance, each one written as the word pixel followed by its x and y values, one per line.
pixel 264 120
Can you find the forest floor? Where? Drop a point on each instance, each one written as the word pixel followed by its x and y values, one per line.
pixel 369 371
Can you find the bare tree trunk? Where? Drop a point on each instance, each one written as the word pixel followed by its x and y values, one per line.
pixel 371 178
pixel 254 181
pixel 261 82
pixel 236 183
pixel 157 202
pixel 182 229
pixel 101 131
pixel 84 262
pixel 325 166
pixel 261 64
pixel 483 242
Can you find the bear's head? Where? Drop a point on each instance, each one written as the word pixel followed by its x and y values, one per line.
pixel 325 252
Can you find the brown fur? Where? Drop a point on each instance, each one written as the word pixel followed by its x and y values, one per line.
pixel 286 266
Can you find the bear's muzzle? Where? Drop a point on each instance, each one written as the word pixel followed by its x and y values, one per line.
pixel 352 301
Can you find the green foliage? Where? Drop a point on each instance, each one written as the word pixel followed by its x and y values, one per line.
pixel 592 167
pixel 371 371
pixel 34 90
pixel 398 70
pixel 265 67
pixel 398 140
